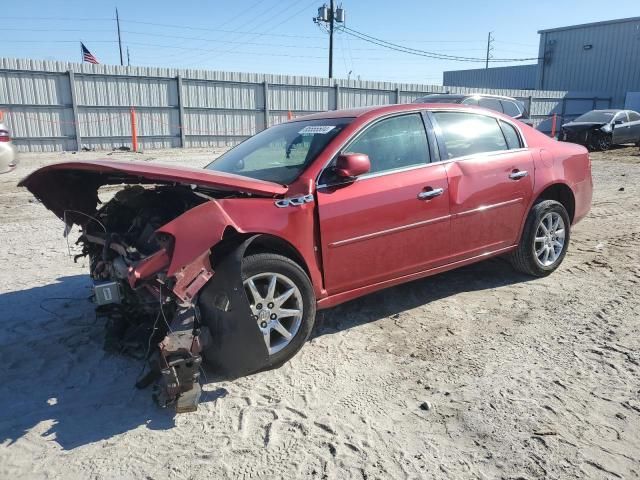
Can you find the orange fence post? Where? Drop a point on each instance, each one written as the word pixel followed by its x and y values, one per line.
pixel 1 115
pixel 134 131
pixel 289 115
pixel 553 126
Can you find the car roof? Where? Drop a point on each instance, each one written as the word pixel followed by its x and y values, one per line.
pixel 380 110
pixel 469 95
pixel 608 110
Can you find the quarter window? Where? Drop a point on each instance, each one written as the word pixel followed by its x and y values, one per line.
pixel 511 135
pixel 396 142
pixel 510 108
pixel 634 116
pixel 467 133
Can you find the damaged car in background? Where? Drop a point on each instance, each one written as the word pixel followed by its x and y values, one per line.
pixel 600 129
pixel 227 265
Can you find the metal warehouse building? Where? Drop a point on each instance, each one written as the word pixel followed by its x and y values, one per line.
pixel 601 57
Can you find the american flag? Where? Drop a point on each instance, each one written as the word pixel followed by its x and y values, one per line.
pixel 87 56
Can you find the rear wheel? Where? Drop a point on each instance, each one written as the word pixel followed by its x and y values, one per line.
pixel 282 303
pixel 544 241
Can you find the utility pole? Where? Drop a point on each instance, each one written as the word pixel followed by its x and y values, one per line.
pixel 489 48
pixel 119 37
pixel 331 21
pixel 330 15
pixel 128 58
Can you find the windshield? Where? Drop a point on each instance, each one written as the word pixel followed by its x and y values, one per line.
pixel 596 116
pixel 280 153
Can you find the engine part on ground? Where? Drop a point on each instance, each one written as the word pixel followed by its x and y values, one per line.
pixel 176 369
pixel 179 384
pixel 237 346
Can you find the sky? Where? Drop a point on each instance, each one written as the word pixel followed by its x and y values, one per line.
pixel 279 36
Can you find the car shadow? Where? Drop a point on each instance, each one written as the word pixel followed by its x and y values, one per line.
pixel 58 382
pixel 491 273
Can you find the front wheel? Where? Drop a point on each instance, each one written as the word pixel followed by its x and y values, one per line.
pixel 601 142
pixel 282 303
pixel 544 241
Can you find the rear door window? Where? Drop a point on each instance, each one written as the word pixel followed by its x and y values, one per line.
pixel 468 133
pixel 490 103
pixel 510 108
pixel 634 116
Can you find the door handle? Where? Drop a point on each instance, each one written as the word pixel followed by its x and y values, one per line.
pixel 430 193
pixel 518 174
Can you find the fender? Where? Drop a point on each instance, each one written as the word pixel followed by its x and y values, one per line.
pixel 201 228
pixel 194 232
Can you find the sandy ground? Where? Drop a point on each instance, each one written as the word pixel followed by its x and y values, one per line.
pixel 523 378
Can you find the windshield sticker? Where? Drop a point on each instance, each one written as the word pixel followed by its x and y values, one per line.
pixel 316 129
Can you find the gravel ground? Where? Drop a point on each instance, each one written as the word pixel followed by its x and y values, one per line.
pixel 476 373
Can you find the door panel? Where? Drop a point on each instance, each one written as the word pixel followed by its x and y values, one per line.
pixel 488 195
pixel 377 228
pixel 621 131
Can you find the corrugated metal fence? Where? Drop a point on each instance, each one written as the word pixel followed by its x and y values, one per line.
pixel 67 106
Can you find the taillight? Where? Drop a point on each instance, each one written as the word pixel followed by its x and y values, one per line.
pixel 4 136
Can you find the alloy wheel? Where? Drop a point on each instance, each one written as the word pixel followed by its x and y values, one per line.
pixel 549 240
pixel 604 143
pixel 276 305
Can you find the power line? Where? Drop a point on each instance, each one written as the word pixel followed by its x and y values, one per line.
pixel 259 34
pixel 424 53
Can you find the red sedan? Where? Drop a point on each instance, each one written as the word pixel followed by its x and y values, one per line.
pixel 308 214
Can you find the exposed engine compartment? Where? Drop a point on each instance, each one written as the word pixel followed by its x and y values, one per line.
pixel 119 237
pixel 152 249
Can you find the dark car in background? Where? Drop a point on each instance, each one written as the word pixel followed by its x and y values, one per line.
pixel 507 105
pixel 600 129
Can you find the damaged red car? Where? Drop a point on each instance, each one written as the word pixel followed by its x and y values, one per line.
pixel 228 264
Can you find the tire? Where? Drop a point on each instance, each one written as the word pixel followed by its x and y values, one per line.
pixel 525 258
pixel 603 142
pixel 262 267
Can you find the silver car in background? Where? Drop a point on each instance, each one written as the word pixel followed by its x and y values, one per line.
pixel 8 154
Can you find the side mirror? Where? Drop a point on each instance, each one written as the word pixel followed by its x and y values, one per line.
pixel 351 165
pixel 618 121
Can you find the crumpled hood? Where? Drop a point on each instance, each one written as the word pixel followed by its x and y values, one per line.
pixel 582 126
pixel 74 185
